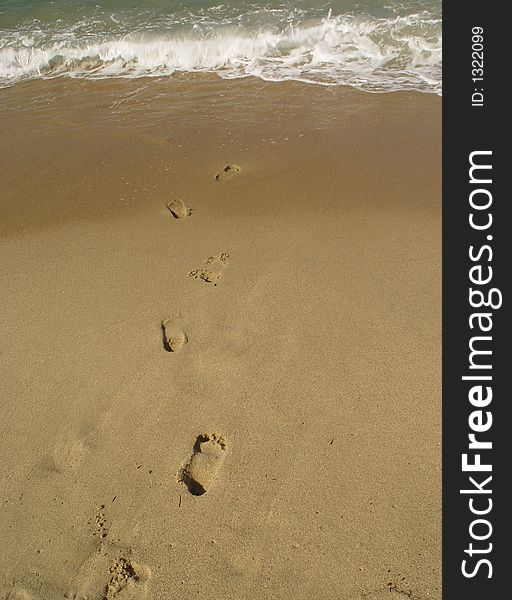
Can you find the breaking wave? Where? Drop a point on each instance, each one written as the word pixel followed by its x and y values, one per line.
pixel 368 53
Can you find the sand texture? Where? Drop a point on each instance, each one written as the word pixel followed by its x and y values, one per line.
pixel 239 402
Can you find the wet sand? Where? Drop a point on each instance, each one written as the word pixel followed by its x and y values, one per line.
pixel 275 348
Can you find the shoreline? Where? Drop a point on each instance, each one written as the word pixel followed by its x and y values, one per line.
pixel 127 126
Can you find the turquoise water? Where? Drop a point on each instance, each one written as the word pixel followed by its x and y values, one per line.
pixel 373 45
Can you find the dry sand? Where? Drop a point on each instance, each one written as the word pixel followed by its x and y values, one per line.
pixel 302 293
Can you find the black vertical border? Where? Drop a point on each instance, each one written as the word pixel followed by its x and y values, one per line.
pixel 467 129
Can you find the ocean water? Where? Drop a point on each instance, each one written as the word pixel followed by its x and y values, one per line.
pixel 372 45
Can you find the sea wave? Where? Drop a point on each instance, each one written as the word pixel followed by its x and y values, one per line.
pixel 368 53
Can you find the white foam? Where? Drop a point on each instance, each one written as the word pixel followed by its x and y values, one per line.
pixel 371 54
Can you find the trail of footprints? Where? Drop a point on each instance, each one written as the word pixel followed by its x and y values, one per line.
pixel 179 210
pixel 109 573
pixel 209 450
pixel 173 327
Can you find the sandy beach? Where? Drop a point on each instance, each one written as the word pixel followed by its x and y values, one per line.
pixel 279 437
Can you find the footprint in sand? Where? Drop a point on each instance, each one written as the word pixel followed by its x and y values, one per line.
pixel 72 447
pixel 127 580
pixel 228 171
pixel 204 465
pixel 104 577
pixel 174 335
pixel 212 270
pixel 178 209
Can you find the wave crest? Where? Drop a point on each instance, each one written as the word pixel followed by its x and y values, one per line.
pixel 371 54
